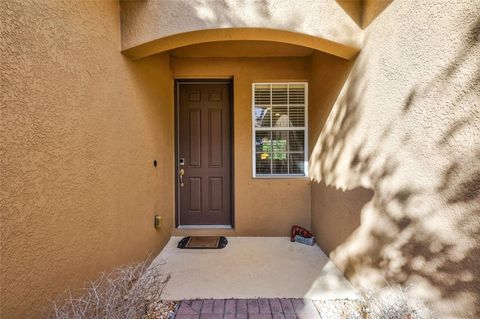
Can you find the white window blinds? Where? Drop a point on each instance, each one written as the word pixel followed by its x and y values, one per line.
pixel 279 129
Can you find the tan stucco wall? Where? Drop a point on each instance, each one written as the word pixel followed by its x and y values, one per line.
pixel 371 9
pixel 354 8
pixel 407 126
pixel 363 12
pixel 328 75
pixel 80 127
pixel 263 207
pixel 144 21
pixel 336 214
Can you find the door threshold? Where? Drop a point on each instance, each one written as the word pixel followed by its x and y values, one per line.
pixel 205 227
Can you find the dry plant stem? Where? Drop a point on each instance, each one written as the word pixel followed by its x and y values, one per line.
pixel 123 293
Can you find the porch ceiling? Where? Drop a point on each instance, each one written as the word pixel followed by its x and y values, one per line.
pixel 234 49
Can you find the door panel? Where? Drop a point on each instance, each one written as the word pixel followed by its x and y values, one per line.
pixel 204 145
pixel 194 138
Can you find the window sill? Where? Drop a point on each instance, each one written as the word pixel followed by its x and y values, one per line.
pixel 281 177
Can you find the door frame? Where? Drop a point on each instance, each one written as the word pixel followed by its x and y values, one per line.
pixel 177 83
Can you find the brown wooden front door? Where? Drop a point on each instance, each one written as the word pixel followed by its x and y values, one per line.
pixel 204 153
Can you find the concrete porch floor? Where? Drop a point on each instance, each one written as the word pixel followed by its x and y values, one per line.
pixel 252 267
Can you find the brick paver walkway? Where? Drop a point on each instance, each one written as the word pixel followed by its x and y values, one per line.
pixel 247 309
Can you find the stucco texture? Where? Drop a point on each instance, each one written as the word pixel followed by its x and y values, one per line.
pixel 260 208
pixel 80 128
pixel 407 127
pixel 144 21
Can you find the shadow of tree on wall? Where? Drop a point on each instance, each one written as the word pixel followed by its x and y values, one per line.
pixel 203 14
pixel 422 227
pixel 226 13
pixel 192 15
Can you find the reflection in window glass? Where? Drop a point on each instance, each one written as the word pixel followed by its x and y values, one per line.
pixel 263 116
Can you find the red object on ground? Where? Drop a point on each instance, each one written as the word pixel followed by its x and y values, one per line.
pixel 299 230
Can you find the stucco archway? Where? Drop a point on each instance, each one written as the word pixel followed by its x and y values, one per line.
pixel 239 34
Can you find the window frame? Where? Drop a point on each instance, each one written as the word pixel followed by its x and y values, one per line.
pixel 304 128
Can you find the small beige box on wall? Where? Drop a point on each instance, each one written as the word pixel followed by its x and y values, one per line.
pixel 158 221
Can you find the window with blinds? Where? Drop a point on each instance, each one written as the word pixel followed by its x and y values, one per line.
pixel 279 129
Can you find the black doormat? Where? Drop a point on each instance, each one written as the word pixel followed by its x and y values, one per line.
pixel 202 242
